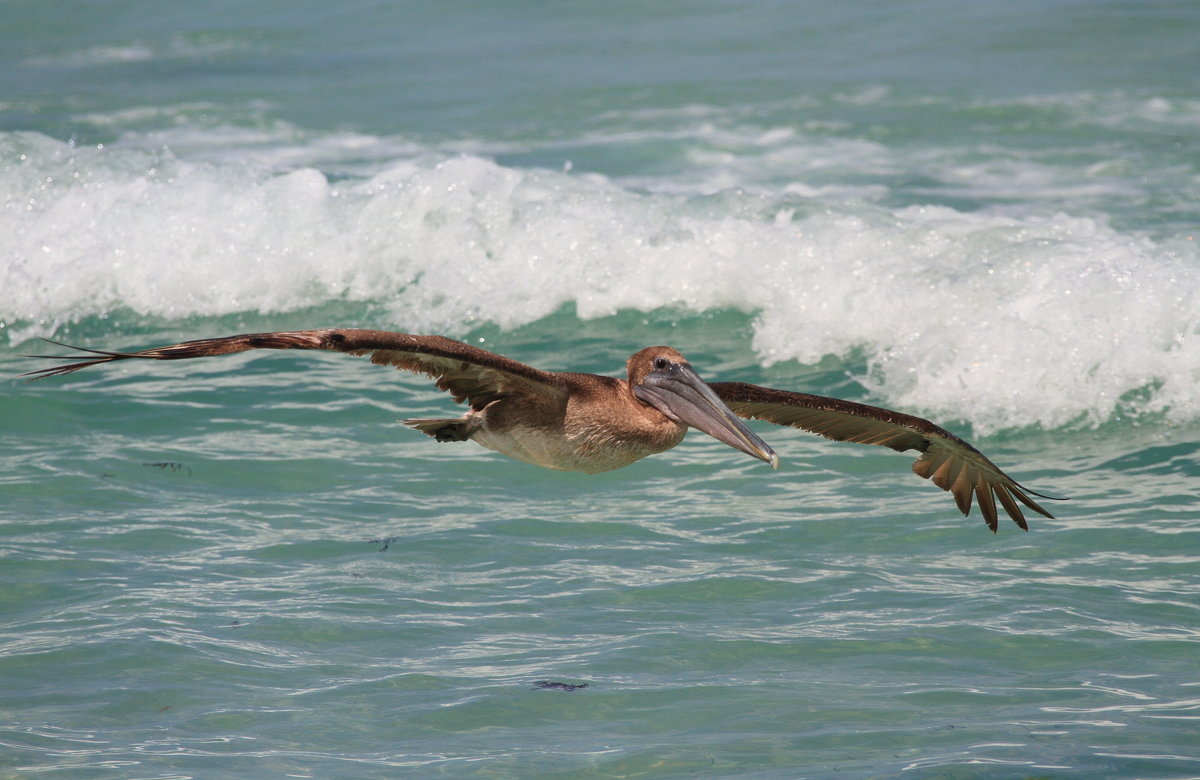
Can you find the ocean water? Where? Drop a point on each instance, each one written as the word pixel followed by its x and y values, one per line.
pixel 981 213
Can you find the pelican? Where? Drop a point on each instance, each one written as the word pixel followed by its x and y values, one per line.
pixel 591 423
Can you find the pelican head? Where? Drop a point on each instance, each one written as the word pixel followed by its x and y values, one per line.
pixel 662 378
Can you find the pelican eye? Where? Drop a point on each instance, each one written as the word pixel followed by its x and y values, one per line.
pixel 661 363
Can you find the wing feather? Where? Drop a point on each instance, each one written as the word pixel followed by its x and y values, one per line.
pixel 987 501
pixel 1010 506
pixel 949 462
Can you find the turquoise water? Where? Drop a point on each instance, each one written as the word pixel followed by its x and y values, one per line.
pixel 981 213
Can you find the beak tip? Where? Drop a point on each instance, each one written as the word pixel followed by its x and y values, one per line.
pixel 774 461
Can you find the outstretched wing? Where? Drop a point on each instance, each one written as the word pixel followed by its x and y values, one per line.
pixel 951 463
pixel 470 374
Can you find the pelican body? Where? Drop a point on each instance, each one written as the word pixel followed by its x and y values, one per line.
pixel 592 423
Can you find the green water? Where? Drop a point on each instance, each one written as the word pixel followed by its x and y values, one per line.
pixel 248 568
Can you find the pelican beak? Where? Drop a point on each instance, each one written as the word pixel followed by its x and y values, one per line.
pixel 678 392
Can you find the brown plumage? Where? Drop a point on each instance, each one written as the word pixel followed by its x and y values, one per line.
pixel 591 423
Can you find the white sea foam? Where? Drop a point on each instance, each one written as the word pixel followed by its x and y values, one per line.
pixel 1003 316
pixel 176 47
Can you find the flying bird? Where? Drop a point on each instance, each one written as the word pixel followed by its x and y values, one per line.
pixel 592 423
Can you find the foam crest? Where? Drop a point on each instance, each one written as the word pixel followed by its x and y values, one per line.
pixel 999 320
pixel 999 317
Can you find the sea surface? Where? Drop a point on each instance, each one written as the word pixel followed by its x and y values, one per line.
pixel 986 213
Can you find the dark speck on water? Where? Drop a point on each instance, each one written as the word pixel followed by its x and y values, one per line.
pixel 386 542
pixel 170 466
pixel 557 686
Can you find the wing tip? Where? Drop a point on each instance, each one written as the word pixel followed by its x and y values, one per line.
pixel 1041 495
pixel 105 356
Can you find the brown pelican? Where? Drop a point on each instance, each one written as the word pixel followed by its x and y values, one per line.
pixel 590 423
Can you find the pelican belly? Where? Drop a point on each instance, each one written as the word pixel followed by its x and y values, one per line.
pixel 554 449
pixel 546 448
